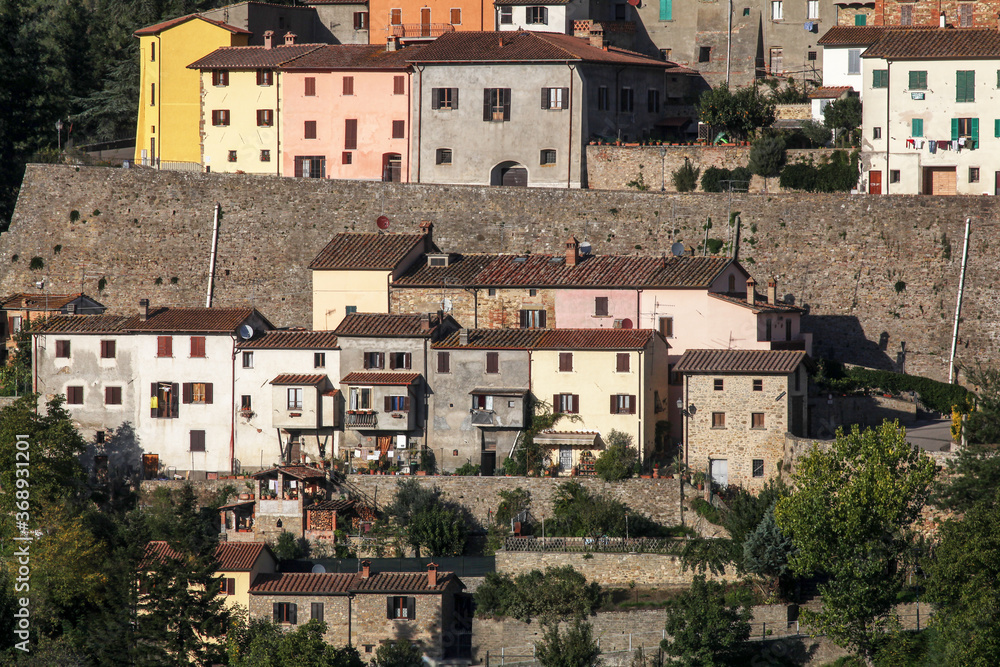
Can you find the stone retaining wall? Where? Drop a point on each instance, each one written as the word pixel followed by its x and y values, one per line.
pixel 608 569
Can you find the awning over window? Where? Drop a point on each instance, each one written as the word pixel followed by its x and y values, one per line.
pixel 591 439
pixel 497 391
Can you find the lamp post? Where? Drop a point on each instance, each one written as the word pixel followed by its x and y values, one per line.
pixel 59 127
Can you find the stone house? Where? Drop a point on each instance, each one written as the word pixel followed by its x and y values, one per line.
pixel 19 309
pixel 738 406
pixel 543 16
pixel 384 359
pixel 368 609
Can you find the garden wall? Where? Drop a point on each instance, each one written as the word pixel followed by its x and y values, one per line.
pixel 608 569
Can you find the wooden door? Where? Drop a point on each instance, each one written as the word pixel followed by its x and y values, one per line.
pixel 940 180
pixel 875 182
pixel 516 176
pixel 720 472
pixel 150 466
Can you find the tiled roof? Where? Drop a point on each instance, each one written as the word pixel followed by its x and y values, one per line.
pixel 852 35
pixel 290 583
pixel 160 27
pixel 775 362
pixel 336 505
pixel 232 556
pixel 760 304
pixel 552 271
pixel 550 339
pixel 292 378
pixel 387 379
pixel 829 92
pixel 410 582
pixel 298 472
pixel 38 301
pixel 291 340
pixel 365 251
pixel 524 46
pixel 387 325
pixel 353 56
pixel 334 2
pixel 500 3
pixel 82 324
pixel 939 43
pixel 191 319
pixel 250 57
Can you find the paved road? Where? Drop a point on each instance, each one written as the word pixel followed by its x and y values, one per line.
pixel 930 435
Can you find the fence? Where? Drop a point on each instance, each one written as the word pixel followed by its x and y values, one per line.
pixel 640 545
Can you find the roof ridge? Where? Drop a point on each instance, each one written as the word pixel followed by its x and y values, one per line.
pixel 542 36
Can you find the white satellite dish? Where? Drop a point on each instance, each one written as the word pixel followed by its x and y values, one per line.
pixel 318 569
pixel 677 249
pixel 245 331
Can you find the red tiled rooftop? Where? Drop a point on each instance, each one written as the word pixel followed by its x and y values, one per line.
pixel 760 304
pixel 386 379
pixel 250 57
pixel 366 251
pixel 160 27
pixel 293 378
pixel 191 319
pixel 829 92
pixel 920 44
pixel 291 583
pixel 353 56
pixel 82 324
pixel 388 325
pixel 550 339
pixel 38 301
pixel 773 362
pixel 291 340
pixel 863 35
pixel 232 556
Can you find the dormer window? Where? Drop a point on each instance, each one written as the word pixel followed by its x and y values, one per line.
pixel 438 260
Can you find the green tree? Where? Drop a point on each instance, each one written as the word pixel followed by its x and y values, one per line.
pixel 817 133
pixel 619 458
pixel 411 498
pixel 767 157
pixel 289 548
pixel 575 648
pixel 982 426
pixel 704 630
pixel 843 114
pixel 440 529
pixel 766 550
pixel 401 653
pixel 259 642
pixel 738 112
pixel 511 504
pixel 558 593
pixel 15 375
pixel 850 518
pixel 685 177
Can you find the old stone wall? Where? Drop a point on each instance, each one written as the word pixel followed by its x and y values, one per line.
pixel 828 411
pixel 608 569
pixel 878 275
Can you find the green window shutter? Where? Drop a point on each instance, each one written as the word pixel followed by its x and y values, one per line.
pixel 954 129
pixel 666 10
pixel 917 130
pixel 918 80
pixel 914 79
pixel 996 128
pixel 959 86
pixel 970 86
pixel 975 131
pixel 860 19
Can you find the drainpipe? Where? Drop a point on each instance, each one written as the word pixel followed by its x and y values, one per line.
pixel 211 261
pixel 277 123
pixel 569 151
pixel 888 96
pixel 350 598
pixel 409 125
pixel 232 411
pixel 420 115
pixel 729 43
pixel 958 306
pixel 638 409
pixel 159 80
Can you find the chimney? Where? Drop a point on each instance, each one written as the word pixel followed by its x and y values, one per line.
pixel 751 293
pixel 432 575
pixel 143 309
pixel 289 38
pixel 597 36
pixel 772 291
pixel 392 43
pixel 268 39
pixel 572 251
pixel 425 321
pixel 366 569
pixel 463 336
pixel 943 23
pixel 427 229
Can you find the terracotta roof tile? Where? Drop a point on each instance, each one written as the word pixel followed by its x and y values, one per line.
pixel 292 378
pixel 298 472
pixel 769 362
pixel 160 27
pixel 388 325
pixel 232 556
pixel 760 304
pixel 829 92
pixel 291 340
pixel 290 583
pixel 492 339
pixel 550 339
pixel 461 270
pixel 334 2
pixel 852 35
pixel 39 301
pixel 387 379
pixel 365 251
pixel 251 57
pixel 192 319
pixel 531 2
pixel 353 56
pixel 336 505
pixel 408 582
pixel 938 43
pixel 82 324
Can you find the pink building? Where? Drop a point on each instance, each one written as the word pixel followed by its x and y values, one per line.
pixel 346 114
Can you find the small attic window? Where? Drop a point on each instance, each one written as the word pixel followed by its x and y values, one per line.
pixel 556 260
pixel 520 260
pixel 437 260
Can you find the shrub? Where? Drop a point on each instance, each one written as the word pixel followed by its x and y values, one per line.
pixel 618 459
pixel 817 133
pixel 685 179
pixel 57 248
pixel 767 156
pixel 937 396
pixel 707 510
pixel 575 648
pixel 556 593
pixel 714 246
pixel 288 548
pixel 37 264
pixel 839 173
pixel 74 215
pixel 711 180
pixel 579 513
pixel 468 469
pixel 740 178
pixel 511 504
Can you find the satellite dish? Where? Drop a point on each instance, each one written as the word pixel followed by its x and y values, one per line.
pixel 318 569
pixel 585 248
pixel 634 3
pixel 626 323
pixel 677 249
pixel 809 26
pixel 245 331
pixel 382 222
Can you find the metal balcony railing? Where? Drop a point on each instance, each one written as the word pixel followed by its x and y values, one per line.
pixel 411 30
pixel 361 420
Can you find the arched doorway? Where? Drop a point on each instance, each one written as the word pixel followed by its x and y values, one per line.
pixel 509 173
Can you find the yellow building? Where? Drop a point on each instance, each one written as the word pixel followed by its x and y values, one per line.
pixel 169 116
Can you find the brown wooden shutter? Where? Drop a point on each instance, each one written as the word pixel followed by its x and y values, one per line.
pixel 435 97
pixel 174 397
pixel 276 612
pixel 506 103
pixel 348 85
pixel 541 319
pixel 187 391
pixel 576 404
pixel 406 404
pixel 565 98
pixel 565 362
pixel 411 608
pixel 623 362
pixel 231 586
pixel 293 613
pixel 389 607
pixel 486 104
pixel 454 98
pixel 109 396
pixel 555 403
pixel 456 16
pixel 392 361
pixel 310 86
pixel 444 362
pixel 351 134
pixel 545 98
pixel 492 362
pixel 153 412
pixel 631 404
pixel 309 129
pixel 399 129
pixel 197 441
pixel 388 404
pixel 614 404
pixel 399 85
pixel 208 393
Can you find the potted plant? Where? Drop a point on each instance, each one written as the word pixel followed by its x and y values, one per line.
pixel 698 478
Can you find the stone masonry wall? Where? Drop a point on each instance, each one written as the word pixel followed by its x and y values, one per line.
pixel 878 274
pixel 612 569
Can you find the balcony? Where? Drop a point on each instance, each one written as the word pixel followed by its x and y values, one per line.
pixel 361 419
pixel 420 30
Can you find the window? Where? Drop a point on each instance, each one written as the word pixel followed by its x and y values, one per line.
pixel 444 362
pixel 310 86
pixel 565 362
pixel 918 80
pixel 310 166
pixel 622 404
pixel 758 467
pixel 197 392
pixel 220 77
pixel 361 20
pixel 566 403
pixel 350 310
pixel 973 174
pixel 718 420
pixel 197 440
pixel 536 15
pixel 492 362
pixel 284 612
pixel 62 349
pixel 231 157
pixel 316 611
pixel 623 362
pixel 905 15
pixel 444 99
pixel 627 99
pixel 777 60
pixel 664 53
pixel 399 360
pixel 777 10
pixel 757 420
pixel 492 291
pixel 456 16
pixel 880 78
pixel 112 395
pixel 893 178
pixel 265 77
pixel 506 16
pixel 395 17
pixel 667 327
pixel 265 155
pixel 443 156
pixel 666 11
pixel 876 133
pixel 152 52
pixel 601 306
pixel 719 384
pixel 360 399
pixel 758 385
pixel 602 96
pixel 496 104
pixel 294 401
pixel 399 607
pixel 309 129
pixel 399 129
pixel 965 128
pixel 265 117
pixel 348 85
pixel 547 156
pixel 965 15
pixel 108 349
pixel 532 319
pixel 375 360
pixel 246 402
pixel 704 54
pixel 673 377
pixel 996 133
pixel 16 323
pixel 164 346
pixel 965 86
pixel 812 9
pixel 74 395
pixel 351 134
pixel 481 402
pixel 399 85
pixel 319 360
pixel 346 157
pixel 621 12
pixel 220 117
pixel 228 586
pixel 397 403
pixel 152 94
pixel 917 127
pixel 197 346
pixel 653 101
pixel 854 61
pixel 248 360
pixel 555 98
pixel 811 55
pixel 860 19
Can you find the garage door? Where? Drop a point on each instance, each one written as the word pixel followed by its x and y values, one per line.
pixel 940 181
